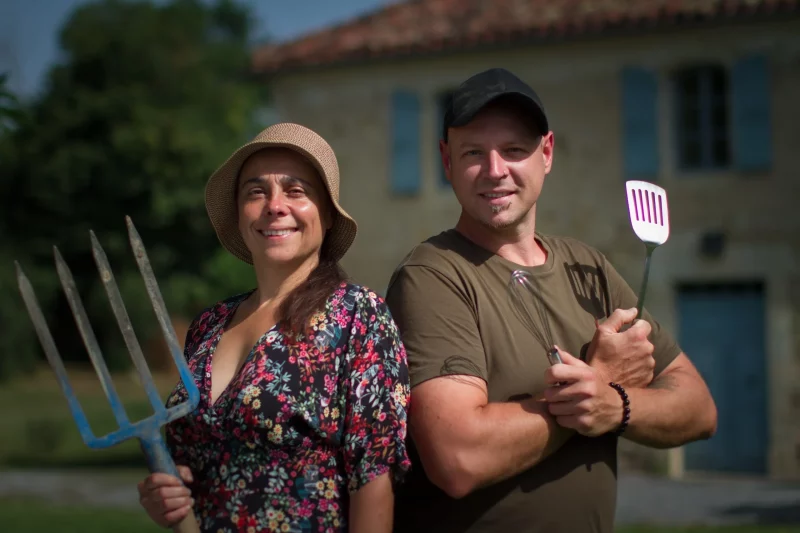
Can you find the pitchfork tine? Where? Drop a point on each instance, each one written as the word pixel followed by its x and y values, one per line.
pixel 51 352
pixel 162 315
pixel 148 430
pixel 89 339
pixel 125 326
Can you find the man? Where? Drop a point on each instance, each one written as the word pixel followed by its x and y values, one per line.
pixel 503 441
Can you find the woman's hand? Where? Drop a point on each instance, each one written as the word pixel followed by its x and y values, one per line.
pixel 165 498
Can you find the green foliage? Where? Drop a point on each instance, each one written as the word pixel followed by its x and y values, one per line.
pixel 20 350
pixel 10 108
pixel 149 99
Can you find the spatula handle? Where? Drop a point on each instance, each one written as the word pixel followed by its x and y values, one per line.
pixel 643 291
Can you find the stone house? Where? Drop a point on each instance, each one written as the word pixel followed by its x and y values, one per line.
pixel 701 97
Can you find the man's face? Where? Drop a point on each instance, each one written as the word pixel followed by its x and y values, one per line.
pixel 496 165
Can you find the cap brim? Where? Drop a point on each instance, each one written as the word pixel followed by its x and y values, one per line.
pixel 466 116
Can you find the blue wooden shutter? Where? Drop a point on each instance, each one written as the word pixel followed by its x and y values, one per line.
pixel 751 124
pixel 640 123
pixel 405 143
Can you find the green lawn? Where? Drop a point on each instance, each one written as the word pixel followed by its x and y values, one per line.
pixel 25 516
pixel 38 429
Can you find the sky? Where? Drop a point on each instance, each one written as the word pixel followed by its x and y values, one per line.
pixel 29 29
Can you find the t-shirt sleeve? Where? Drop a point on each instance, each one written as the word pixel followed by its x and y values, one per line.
pixel 437 323
pixel 378 393
pixel 666 348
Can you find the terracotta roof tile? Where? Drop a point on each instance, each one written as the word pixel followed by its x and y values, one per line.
pixel 433 26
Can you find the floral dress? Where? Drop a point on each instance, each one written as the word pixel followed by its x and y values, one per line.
pixel 306 421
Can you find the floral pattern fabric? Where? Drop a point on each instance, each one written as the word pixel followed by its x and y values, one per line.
pixel 306 421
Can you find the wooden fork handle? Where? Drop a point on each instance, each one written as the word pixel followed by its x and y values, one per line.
pixel 187 525
pixel 159 460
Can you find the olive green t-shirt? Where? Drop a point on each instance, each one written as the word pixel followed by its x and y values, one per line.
pixel 453 304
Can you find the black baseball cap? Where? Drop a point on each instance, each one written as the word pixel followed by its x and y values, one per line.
pixel 485 87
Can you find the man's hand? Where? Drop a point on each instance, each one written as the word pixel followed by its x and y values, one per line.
pixel 579 397
pixel 623 356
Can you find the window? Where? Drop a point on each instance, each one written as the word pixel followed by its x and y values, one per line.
pixel 702 114
pixel 722 118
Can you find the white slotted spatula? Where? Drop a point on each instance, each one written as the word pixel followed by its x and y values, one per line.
pixel 647 207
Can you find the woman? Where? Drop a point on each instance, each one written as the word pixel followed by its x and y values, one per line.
pixel 303 381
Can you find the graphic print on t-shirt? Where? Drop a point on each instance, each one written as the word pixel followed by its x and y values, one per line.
pixel 589 287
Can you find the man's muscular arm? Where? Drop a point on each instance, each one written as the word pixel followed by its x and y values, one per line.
pixel 465 442
pixel 676 408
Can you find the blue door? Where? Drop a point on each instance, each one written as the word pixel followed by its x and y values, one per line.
pixel 722 331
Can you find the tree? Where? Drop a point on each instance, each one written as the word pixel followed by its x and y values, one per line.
pixel 10 109
pixel 147 102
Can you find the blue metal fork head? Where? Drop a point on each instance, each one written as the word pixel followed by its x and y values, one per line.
pixel 146 430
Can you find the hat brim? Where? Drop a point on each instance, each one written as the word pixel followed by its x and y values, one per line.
pixel 220 198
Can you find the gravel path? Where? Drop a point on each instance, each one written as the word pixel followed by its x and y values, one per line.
pixel 641 499
pixel 71 487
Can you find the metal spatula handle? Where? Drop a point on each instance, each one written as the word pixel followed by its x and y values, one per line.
pixel 643 290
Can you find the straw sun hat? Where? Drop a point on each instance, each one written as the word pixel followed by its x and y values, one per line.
pixel 221 188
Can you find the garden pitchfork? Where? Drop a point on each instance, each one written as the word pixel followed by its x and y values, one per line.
pixel 148 430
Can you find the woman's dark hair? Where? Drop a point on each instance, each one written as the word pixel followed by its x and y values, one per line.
pixel 311 295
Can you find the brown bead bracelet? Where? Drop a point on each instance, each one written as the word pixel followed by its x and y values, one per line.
pixel 626 409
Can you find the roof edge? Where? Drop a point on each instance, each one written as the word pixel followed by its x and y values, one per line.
pixel 548 36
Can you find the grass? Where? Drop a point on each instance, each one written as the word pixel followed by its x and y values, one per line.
pixel 39 432
pixel 26 516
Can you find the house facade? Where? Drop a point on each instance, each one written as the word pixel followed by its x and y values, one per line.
pixel 702 98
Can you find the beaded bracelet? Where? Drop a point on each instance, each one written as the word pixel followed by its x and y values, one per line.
pixel 626 410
